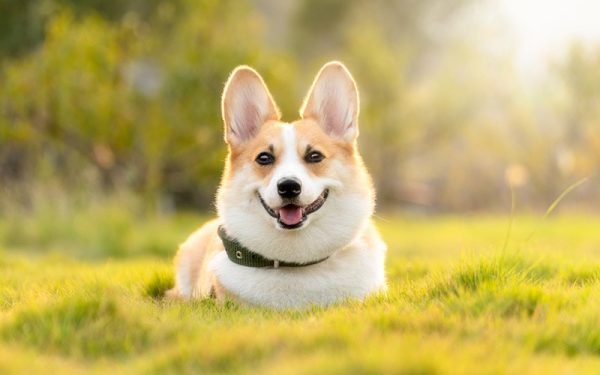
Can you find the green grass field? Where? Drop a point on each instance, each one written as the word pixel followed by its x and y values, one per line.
pixel 82 295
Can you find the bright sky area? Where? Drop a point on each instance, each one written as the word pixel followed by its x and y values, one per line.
pixel 543 28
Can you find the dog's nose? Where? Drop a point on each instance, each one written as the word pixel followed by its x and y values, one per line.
pixel 289 187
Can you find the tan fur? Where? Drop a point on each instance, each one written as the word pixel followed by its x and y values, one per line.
pixel 269 137
pixel 194 254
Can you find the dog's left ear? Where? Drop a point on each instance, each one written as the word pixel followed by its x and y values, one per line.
pixel 332 101
pixel 246 105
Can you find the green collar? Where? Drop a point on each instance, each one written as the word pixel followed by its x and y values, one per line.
pixel 238 254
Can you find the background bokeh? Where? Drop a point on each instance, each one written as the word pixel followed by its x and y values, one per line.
pixel 119 99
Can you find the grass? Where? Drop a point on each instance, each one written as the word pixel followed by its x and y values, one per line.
pixel 85 297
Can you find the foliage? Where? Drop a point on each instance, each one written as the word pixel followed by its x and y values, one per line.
pixel 124 96
pixel 98 103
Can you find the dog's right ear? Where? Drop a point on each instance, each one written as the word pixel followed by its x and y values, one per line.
pixel 333 102
pixel 246 105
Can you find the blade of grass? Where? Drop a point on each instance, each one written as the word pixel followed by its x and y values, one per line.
pixel 513 204
pixel 564 194
pixel 559 199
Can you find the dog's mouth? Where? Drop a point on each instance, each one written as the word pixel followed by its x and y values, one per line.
pixel 292 216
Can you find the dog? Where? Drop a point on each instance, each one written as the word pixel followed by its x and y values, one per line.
pixel 294 206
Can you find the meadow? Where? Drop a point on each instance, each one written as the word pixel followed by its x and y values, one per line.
pixel 83 294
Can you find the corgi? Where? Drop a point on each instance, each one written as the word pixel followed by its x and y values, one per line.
pixel 294 206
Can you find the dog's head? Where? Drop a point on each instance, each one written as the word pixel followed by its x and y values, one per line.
pixel 296 191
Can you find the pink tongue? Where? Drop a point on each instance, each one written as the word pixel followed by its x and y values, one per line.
pixel 290 215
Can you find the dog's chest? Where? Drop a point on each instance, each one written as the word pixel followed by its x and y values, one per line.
pixel 352 272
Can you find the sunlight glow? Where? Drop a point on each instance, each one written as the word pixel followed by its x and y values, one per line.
pixel 544 28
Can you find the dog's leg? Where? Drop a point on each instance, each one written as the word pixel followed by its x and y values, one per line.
pixel 192 277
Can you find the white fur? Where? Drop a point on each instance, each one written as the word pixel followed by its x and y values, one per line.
pixel 183 280
pixel 350 273
pixel 183 276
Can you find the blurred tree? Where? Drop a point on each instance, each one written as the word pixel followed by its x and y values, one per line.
pixel 134 107
pixel 577 154
pixel 23 22
pixel 387 45
pixel 21 25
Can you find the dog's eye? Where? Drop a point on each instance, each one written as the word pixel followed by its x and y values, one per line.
pixel 314 157
pixel 264 158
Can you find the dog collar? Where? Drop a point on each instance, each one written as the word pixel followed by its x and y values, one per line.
pixel 238 254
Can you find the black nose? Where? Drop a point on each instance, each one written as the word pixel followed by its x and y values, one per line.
pixel 289 187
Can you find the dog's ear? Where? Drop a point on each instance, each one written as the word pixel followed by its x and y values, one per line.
pixel 332 101
pixel 246 105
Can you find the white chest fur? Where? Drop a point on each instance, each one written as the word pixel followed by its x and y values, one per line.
pixel 352 272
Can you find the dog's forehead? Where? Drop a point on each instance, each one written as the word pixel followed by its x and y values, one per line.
pixel 270 133
pixel 309 131
pixel 296 134
pixel 288 141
